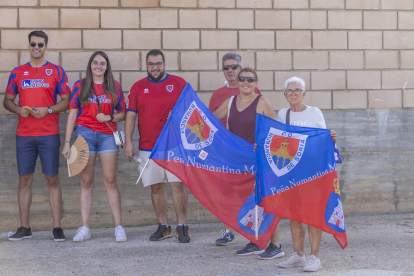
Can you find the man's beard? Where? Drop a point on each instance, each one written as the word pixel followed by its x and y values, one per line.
pixel 160 77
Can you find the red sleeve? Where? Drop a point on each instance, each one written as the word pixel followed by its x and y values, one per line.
pixel 120 106
pixel 74 102
pixel 12 88
pixel 62 82
pixel 212 105
pixel 133 98
pixel 183 83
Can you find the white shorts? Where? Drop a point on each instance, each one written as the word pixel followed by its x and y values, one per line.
pixel 153 173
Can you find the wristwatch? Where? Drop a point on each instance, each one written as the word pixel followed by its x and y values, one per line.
pixel 49 110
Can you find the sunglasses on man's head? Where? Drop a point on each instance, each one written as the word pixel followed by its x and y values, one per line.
pixel 233 67
pixel 33 44
pixel 248 79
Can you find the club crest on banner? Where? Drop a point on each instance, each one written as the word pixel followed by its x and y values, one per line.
pixel 284 150
pixel 48 71
pixel 247 217
pixel 196 130
pixel 334 214
pixel 170 87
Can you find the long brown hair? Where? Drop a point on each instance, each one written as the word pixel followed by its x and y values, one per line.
pixel 87 84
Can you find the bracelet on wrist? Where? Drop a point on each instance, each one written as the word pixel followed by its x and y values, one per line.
pixel 67 142
pixel 112 117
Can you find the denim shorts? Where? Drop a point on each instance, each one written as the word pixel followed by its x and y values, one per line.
pixel 46 147
pixel 98 142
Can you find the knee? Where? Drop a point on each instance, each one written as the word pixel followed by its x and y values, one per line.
pixel 297 225
pixel 178 187
pixel 110 183
pixel 52 181
pixel 25 182
pixel 157 189
pixel 86 182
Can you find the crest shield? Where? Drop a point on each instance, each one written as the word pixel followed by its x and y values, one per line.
pixel 284 150
pixel 196 130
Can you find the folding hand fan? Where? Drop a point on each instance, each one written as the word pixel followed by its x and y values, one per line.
pixel 79 156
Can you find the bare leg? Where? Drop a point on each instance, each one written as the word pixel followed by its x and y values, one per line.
pixel 180 200
pixel 55 198
pixel 275 237
pixel 87 177
pixel 298 236
pixel 159 201
pixel 315 237
pixel 25 198
pixel 108 164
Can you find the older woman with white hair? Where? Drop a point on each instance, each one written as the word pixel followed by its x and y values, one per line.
pixel 302 115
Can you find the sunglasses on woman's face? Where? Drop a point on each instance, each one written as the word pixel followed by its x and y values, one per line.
pixel 248 79
pixel 40 45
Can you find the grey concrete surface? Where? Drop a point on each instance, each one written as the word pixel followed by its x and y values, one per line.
pixel 378 245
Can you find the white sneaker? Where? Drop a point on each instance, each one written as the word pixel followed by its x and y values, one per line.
pixel 120 235
pixel 313 264
pixel 294 261
pixel 82 234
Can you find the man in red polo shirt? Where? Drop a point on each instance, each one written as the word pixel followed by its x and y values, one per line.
pixel 231 66
pixel 38 84
pixel 152 99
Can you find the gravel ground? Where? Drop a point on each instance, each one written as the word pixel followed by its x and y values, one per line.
pixel 377 245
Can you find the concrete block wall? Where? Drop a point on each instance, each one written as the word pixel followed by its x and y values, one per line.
pixel 364 46
pixel 353 54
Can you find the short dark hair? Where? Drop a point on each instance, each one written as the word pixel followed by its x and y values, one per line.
pixel 156 52
pixel 39 34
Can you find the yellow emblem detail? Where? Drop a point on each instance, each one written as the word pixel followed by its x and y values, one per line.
pixel 197 129
pixel 282 152
pixel 336 186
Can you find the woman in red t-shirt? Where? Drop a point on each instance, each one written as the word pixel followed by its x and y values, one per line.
pixel 93 103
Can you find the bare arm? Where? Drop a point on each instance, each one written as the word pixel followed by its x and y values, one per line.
pixel 265 107
pixel 334 135
pixel 118 117
pixel 63 105
pixel 129 131
pixel 70 124
pixel 9 104
pixel 221 112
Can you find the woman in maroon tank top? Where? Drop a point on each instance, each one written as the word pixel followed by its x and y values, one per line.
pixel 242 122
pixel 245 106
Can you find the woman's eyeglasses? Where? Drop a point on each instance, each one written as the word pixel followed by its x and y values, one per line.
pixel 248 79
pixel 233 67
pixel 293 92
pixel 33 44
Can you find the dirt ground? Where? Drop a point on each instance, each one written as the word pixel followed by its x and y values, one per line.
pixel 379 245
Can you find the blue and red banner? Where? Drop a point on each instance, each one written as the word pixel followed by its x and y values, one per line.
pixel 217 166
pixel 297 176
